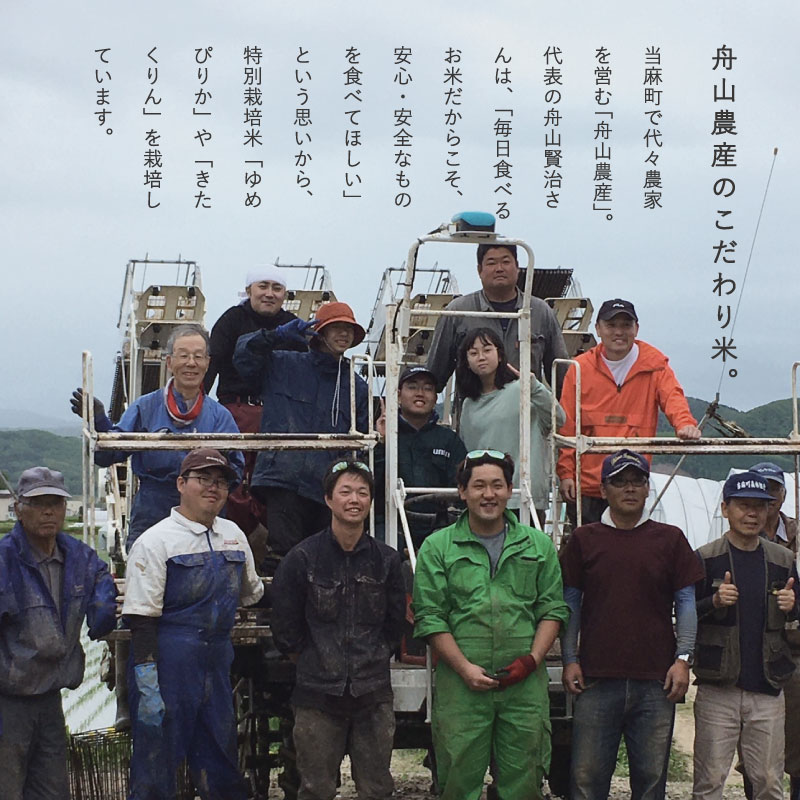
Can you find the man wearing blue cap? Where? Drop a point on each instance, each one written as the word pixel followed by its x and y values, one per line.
pixel 623 576
pixel 782 529
pixel 742 659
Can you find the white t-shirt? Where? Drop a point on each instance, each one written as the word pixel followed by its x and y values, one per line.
pixel 175 536
pixel 620 369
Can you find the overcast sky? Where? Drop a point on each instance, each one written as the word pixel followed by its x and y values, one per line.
pixel 74 207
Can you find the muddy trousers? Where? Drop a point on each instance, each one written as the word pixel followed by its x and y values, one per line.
pixel 511 726
pixel 321 741
pixel 199 724
pixel 33 748
pixel 725 717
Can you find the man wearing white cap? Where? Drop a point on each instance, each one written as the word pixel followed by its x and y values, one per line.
pixel 262 309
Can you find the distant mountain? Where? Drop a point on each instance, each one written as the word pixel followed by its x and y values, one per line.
pixel 21 419
pixel 22 449
pixel 770 420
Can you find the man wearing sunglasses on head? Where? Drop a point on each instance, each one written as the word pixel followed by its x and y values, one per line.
pixel 186 576
pixel 338 605
pixel 488 598
pixel 622 578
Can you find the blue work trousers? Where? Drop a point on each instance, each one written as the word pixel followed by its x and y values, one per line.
pixel 199 725
pixel 606 710
pixel 33 748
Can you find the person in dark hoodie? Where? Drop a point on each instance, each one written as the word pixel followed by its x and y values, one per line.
pixel 262 308
pixel 301 393
pixel 428 454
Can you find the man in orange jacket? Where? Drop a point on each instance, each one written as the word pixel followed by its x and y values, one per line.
pixel 624 382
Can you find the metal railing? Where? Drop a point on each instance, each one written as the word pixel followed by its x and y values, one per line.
pixel 668 445
pixel 93 440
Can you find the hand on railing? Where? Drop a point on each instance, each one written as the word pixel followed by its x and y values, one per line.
pixel 76 404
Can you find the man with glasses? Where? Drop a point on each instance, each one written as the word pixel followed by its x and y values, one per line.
pixel 338 605
pixel 623 576
pixel 186 577
pixel 49 583
pixel 180 407
pixel 782 528
pixel 488 598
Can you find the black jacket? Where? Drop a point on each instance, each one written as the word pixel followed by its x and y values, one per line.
pixel 341 612
pixel 236 322
pixel 426 457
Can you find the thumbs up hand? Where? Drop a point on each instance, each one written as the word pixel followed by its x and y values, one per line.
pixel 727 594
pixel 786 597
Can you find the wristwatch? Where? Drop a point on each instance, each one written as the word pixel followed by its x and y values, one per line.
pixel 687 658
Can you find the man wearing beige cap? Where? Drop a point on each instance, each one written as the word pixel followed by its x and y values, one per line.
pixel 186 576
pixel 49 583
pixel 302 393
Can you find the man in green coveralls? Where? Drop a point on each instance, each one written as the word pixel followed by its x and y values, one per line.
pixel 489 600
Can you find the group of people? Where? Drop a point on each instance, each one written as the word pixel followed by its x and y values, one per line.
pixel 490 595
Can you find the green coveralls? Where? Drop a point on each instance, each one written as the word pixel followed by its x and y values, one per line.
pixel 493 620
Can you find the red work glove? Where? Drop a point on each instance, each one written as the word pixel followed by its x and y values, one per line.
pixel 516 671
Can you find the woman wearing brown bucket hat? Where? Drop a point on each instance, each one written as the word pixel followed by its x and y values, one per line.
pixel 302 393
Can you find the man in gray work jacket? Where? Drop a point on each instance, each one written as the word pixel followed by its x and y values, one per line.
pixel 498 271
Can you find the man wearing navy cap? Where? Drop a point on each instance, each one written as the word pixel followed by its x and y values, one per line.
pixel 428 454
pixel 624 384
pixel 782 529
pixel 623 576
pixel 743 659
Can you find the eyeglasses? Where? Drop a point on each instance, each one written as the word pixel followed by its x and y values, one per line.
pixel 185 358
pixel 473 455
pixel 206 481
pixel 340 465
pixel 48 502
pixel 619 482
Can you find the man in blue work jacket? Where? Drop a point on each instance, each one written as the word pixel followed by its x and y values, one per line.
pixel 180 407
pixel 186 576
pixel 49 583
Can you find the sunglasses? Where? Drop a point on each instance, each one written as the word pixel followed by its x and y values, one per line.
pixel 473 455
pixel 340 465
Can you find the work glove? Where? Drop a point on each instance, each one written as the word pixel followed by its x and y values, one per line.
pixel 151 705
pixel 296 330
pixel 516 671
pixel 101 420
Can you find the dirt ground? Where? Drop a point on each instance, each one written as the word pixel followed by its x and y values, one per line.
pixel 412 780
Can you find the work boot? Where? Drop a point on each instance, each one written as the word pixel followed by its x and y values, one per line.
pixel 123 720
pixel 794 788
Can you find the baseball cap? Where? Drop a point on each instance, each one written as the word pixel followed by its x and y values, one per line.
pixel 622 459
pixel 770 471
pixel 38 481
pixel 205 458
pixel 611 308
pixel 413 371
pixel 746 484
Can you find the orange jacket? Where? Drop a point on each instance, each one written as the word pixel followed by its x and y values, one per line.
pixel 608 410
